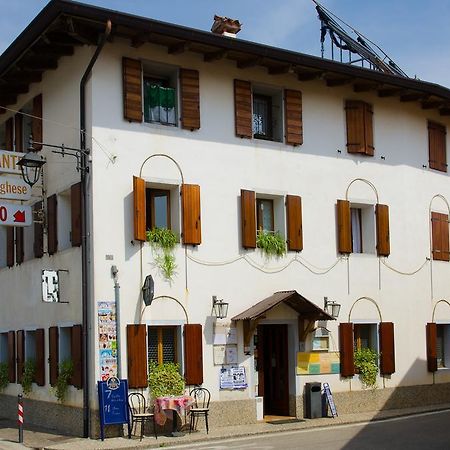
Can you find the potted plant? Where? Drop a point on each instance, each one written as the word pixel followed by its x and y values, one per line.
pixel 29 372
pixel 271 243
pixel 4 376
pixel 163 242
pixel 366 364
pixel 165 379
pixel 65 372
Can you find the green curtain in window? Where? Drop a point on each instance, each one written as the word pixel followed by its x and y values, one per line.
pixel 159 104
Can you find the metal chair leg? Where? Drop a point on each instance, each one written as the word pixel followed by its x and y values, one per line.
pixel 206 420
pixel 142 429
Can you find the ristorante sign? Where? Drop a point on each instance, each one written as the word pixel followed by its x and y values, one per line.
pixel 9 160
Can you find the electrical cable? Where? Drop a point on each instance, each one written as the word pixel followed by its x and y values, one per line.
pixel 383 261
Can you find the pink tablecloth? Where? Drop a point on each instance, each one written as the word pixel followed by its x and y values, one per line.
pixel 180 404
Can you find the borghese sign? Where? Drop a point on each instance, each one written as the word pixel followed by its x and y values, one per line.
pixel 12 187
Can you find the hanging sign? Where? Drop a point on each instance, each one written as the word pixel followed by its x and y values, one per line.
pixel 9 160
pixel 14 188
pixel 15 215
pixel 330 400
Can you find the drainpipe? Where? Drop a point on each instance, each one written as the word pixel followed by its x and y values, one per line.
pixel 115 274
pixel 85 250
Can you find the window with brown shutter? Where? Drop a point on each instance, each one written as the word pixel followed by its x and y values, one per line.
pixel 38 245
pixel 440 236
pixel 243 108
pixel 139 209
pixel 20 351
pixel 382 222
pixel 190 99
pixel 387 348
pixel 18 133
pixel 9 134
pixel 132 89
pixel 193 354
pixel 293 117
pixel 294 223
pixel 431 332
pixel 192 230
pixel 76 347
pixel 344 227
pixel 40 357
pixel 53 354
pixel 137 356
pixel 10 246
pixel 37 122
pixel 52 224
pixel 359 127
pixel 248 218
pixel 437 148
pixel 12 356
pixel 19 245
pixel 75 199
pixel 346 349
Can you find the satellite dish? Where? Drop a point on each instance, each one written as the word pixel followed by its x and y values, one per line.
pixel 148 290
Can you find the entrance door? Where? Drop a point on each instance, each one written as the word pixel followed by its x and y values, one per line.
pixel 273 369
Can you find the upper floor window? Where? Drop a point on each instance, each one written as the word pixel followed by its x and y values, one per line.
pixel 359 116
pixel 159 100
pixel 437 149
pixel 158 208
pixel 440 236
pixel 264 216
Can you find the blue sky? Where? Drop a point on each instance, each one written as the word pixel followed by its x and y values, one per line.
pixel 414 33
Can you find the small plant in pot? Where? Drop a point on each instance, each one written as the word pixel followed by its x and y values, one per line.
pixel 4 376
pixel 65 373
pixel 366 364
pixel 165 379
pixel 163 242
pixel 271 243
pixel 29 372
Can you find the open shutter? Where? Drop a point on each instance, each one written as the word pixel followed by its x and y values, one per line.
pixel 76 345
pixel 139 209
pixel 431 347
pixel 368 130
pixel 12 356
pixel 190 99
pixel 132 89
pixel 18 133
pixel 387 348
pixel 53 353
pixel 248 218
pixel 40 357
pixel 137 356
pixel 52 224
pixel 346 349
pixel 294 223
pixel 243 108
pixel 38 245
pixel 440 236
pixel 75 199
pixel 193 354
pixel 36 124
pixel 20 341
pixel 344 226
pixel 9 134
pixel 192 228
pixel 19 245
pixel 437 149
pixel 10 246
pixel 382 218
pixel 293 117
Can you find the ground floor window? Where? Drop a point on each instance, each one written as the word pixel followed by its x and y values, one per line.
pixel 163 344
pixel 443 345
pixel 365 336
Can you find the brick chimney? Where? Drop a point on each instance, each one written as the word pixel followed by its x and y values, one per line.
pixel 225 26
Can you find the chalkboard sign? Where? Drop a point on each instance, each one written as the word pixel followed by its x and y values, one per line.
pixel 330 401
pixel 113 402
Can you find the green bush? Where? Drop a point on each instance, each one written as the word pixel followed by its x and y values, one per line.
pixel 4 376
pixel 273 244
pixel 163 241
pixel 366 364
pixel 165 379
pixel 29 372
pixel 65 372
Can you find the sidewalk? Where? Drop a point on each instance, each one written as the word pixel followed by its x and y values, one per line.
pixel 47 440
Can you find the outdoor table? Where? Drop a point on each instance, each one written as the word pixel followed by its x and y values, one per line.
pixel 180 405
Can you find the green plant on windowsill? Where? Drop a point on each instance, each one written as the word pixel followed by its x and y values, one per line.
pixel 366 364
pixel 163 242
pixel 29 372
pixel 271 243
pixel 65 373
pixel 4 376
pixel 165 379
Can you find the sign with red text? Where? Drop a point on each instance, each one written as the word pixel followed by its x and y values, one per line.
pixel 15 215
pixel 14 188
pixel 9 160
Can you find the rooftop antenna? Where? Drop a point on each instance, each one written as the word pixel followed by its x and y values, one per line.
pixel 367 51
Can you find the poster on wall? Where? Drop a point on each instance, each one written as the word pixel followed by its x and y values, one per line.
pixel 317 363
pixel 233 378
pixel 224 334
pixel 107 339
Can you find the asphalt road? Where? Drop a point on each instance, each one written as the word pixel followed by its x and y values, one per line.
pixel 426 431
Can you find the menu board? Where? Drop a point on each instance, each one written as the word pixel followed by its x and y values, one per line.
pixel 107 339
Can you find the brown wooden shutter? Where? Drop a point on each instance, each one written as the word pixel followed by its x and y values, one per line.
pixel 36 124
pixel 52 224
pixel 20 351
pixel 18 132
pixel 75 199
pixel 346 349
pixel 382 219
pixel 344 226
pixel 40 357
pixel 139 209
pixel 12 356
pixel 387 348
pixel 190 99
pixel 9 134
pixel 76 346
pixel 440 236
pixel 10 246
pixel 19 245
pixel 294 223
pixel 359 117
pixel 137 356
pixel 193 354
pixel 431 347
pixel 293 117
pixel 368 130
pixel 243 108
pixel 38 245
pixel 192 227
pixel 248 218
pixel 53 353
pixel 437 149
pixel 132 89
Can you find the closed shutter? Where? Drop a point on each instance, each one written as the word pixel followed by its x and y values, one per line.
pixel 137 356
pixel 192 229
pixel 359 117
pixel 132 89
pixel 193 354
pixel 294 223
pixel 52 224
pixel 431 347
pixel 248 218
pixel 344 226
pixel 387 348
pixel 12 356
pixel 19 246
pixel 38 245
pixel 293 117
pixel 243 108
pixel 190 99
pixel 440 236
pixel 76 346
pixel 75 199
pixel 18 132
pixel 139 209
pixel 53 353
pixel 20 350
pixel 9 134
pixel 10 246
pixel 437 149
pixel 383 241
pixel 40 357
pixel 368 130
pixel 36 124
pixel 346 349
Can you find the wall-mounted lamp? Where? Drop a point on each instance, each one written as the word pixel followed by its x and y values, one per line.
pixel 220 308
pixel 331 307
pixel 31 167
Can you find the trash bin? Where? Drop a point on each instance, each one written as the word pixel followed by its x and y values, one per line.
pixel 313 400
